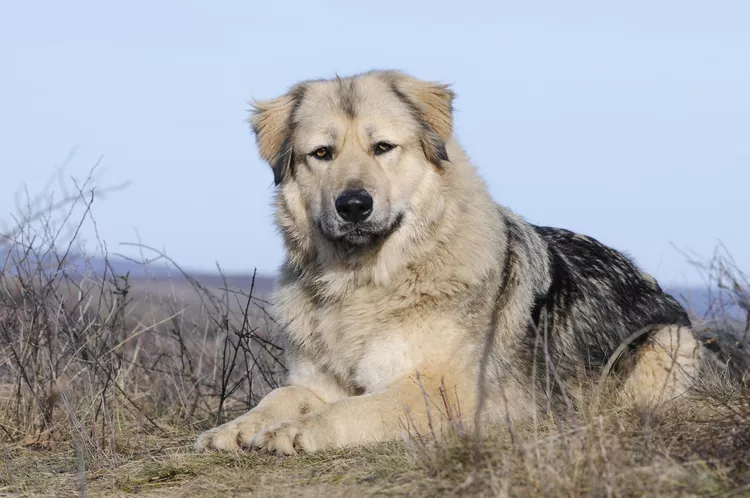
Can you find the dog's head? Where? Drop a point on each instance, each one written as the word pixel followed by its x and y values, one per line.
pixel 353 157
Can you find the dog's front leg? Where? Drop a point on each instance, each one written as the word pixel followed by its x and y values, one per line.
pixel 374 417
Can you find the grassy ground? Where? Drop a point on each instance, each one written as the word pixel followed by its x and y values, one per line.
pixel 701 452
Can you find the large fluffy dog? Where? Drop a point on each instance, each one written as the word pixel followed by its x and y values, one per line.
pixel 406 288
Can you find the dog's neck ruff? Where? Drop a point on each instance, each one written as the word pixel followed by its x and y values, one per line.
pixel 401 256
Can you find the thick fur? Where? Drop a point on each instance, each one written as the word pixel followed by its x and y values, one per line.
pixel 441 300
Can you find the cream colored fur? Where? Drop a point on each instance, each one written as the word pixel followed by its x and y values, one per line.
pixel 375 334
pixel 665 368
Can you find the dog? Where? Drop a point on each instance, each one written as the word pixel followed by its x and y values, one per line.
pixel 405 283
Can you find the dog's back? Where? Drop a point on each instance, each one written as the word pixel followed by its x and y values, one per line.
pixel 600 295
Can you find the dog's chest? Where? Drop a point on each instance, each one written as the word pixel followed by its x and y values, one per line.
pixel 361 340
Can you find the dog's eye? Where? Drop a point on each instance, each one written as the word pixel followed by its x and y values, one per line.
pixel 382 148
pixel 322 153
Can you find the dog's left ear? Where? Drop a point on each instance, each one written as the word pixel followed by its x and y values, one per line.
pixel 433 104
pixel 271 122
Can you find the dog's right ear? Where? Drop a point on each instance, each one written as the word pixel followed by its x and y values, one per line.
pixel 272 123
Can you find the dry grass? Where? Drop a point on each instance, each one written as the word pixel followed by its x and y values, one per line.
pixel 704 453
pixel 105 382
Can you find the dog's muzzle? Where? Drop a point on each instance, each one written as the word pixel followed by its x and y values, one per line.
pixel 355 222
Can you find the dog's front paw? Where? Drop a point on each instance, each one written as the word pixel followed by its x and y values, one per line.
pixel 290 437
pixel 231 436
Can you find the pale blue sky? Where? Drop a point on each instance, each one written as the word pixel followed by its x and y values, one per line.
pixel 629 122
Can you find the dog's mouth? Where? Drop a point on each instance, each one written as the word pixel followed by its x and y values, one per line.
pixel 361 235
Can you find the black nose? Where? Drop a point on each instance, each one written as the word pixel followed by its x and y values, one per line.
pixel 354 205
